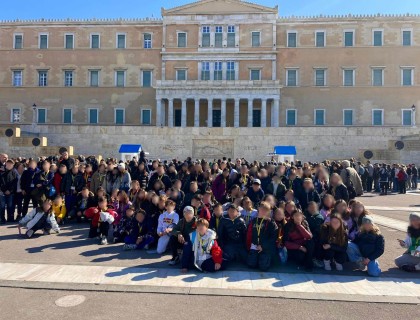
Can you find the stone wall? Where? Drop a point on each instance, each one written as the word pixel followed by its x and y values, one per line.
pixel 313 143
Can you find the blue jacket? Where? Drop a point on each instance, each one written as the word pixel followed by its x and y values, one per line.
pixel 371 246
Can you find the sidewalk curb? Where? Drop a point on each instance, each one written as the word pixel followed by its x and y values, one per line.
pixel 208 292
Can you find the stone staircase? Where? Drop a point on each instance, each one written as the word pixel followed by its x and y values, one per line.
pixel 16 143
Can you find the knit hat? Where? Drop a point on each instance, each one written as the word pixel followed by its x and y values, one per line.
pixel 367 220
pixel 414 216
pixel 188 209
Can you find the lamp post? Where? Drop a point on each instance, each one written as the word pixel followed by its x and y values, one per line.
pixel 413 116
pixel 33 117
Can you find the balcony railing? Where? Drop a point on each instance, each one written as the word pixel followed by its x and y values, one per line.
pixel 217 83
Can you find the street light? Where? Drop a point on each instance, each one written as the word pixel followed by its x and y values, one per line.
pixel 413 115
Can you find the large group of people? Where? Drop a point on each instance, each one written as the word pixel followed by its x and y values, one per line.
pixel 211 213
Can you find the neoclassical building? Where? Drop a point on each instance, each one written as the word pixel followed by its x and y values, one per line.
pixel 212 63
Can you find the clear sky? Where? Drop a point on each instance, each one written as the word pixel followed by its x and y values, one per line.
pixel 30 9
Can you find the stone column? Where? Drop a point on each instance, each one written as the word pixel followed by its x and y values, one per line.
pixel 263 113
pixel 250 107
pixel 184 113
pixel 197 112
pixel 276 112
pixel 170 112
pixel 236 113
pixel 209 112
pixel 158 112
pixel 223 113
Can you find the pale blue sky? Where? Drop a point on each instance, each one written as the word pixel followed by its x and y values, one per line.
pixel 27 9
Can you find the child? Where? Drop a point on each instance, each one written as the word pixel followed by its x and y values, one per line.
pixel 166 223
pixel 342 209
pixel 248 213
pixel 125 225
pixel 202 211
pixel 123 204
pixel 102 218
pixel 367 247
pixel 334 243
pixel 280 220
pixel 217 216
pixel 410 260
pixel 84 200
pixel 261 237
pixel 135 187
pixel 289 208
pixel 140 236
pixel 203 250
pixel 180 235
pixel 327 205
pixel 315 221
pixel 357 213
pixel 59 209
pixel 40 219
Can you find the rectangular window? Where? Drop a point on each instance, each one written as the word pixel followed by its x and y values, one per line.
pixel 41 115
pixel 15 116
pixel 181 74
pixel 146 116
pixel 348 78
pixel 378 77
pixel 377 38
pixel 255 75
pixel 120 78
pixel 93 116
pixel 292 39
pixel 95 41
pixel 406 38
pixel 205 39
pixel 43 41
pixel 255 36
pixel 320 39
pixel 407 77
pixel 407 117
pixel 218 37
pixel 17 78
pixel 230 70
pixel 231 35
pixel 320 79
pixel 147 41
pixel 218 73
pixel 205 71
pixel 348 117
pixel 177 117
pixel 319 117
pixel 348 38
pixel 291 117
pixel 146 76
pixel 377 117
pixel 18 41
pixel 217 118
pixel 182 40
pixel 256 118
pixel 42 78
pixel 67 115
pixel 69 41
pixel 94 78
pixel 121 41
pixel 68 78
pixel 291 77
pixel 119 116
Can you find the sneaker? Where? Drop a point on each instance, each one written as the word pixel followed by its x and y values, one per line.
pixel 47 232
pixel 29 233
pixel 338 266
pixel 408 268
pixel 174 261
pixel 129 247
pixel 360 265
pixel 327 265
pixel 318 263
pixel 104 241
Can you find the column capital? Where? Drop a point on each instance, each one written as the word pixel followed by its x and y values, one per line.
pixel 170 99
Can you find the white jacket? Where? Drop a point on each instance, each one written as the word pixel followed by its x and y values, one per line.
pixel 34 216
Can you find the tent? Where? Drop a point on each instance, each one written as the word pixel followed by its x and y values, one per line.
pixel 284 153
pixel 128 151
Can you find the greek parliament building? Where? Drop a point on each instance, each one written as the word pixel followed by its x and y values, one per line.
pixel 217 77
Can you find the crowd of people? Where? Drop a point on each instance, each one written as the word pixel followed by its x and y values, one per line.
pixel 209 214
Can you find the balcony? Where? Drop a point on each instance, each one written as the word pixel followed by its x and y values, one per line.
pixel 214 84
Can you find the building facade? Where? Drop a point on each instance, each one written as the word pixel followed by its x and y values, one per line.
pixel 212 63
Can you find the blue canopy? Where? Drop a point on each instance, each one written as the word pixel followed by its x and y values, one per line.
pixel 285 150
pixel 130 148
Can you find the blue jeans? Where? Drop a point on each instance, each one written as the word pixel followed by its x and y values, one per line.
pixel 395 185
pixel 354 254
pixel 7 201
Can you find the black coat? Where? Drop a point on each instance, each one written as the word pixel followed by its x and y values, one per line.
pixel 28 179
pixel 371 245
pixel 341 192
pixel 306 197
pixel 8 181
pixel 67 182
pixel 232 232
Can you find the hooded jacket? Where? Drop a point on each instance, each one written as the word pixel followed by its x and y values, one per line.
pixel 205 247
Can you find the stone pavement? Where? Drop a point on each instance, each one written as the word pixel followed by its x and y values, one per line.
pixel 227 283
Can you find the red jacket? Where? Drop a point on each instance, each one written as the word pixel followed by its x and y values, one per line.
pixel 216 253
pixel 297 238
pixel 401 176
pixel 94 214
pixel 205 213
pixel 57 182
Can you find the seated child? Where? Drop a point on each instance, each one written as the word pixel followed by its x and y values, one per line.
pixel 125 225
pixel 202 211
pixel 84 200
pixel 280 220
pixel 410 260
pixel 166 223
pixel 59 209
pixel 180 235
pixel 248 212
pixel 315 221
pixel 141 234
pixel 334 242
pixel 202 251
pixel 261 238
pixel 102 218
pixel 216 217
pixel 41 218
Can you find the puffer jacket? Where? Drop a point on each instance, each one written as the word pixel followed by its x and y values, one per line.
pixel 232 231
pixel 371 245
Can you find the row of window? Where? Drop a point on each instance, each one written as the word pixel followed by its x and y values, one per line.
pixel 349 77
pixel 94 78
pixel 95 41
pixel 93 116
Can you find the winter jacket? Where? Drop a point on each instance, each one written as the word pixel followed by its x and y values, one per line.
pixel 205 247
pixel 315 222
pixel 141 177
pixel 306 197
pixel 280 191
pixel 296 237
pixel 184 228
pixel 352 175
pixel 296 185
pixel 31 219
pixel 45 179
pixel 339 192
pixel 27 181
pixel 59 211
pixel 371 245
pixel 232 231
pixel 325 229
pixel 8 181
pixel 98 180
pixel 88 203
pixel 267 237
pixel 69 181
pixel 125 181
pixel 255 197
pixel 125 226
pixel 219 188
pixel 164 178
pixel 57 182
pixel 99 216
